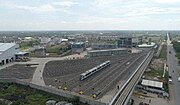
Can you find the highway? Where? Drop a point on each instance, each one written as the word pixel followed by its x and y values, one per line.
pixel 173 65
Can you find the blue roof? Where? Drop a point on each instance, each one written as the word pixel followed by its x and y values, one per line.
pixel 6 46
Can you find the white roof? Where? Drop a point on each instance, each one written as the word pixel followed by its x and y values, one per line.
pixel 6 46
pixel 147 45
pixel 21 53
pixel 152 83
pixel 118 49
pixel 64 40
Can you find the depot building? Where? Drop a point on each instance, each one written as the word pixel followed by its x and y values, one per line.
pixel 7 52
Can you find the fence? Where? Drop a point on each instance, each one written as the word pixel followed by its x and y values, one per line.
pixel 55 91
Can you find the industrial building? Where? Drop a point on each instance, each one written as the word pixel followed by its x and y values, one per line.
pixel 78 47
pixel 7 52
pixel 101 46
pixel 135 41
pixel 108 52
pixel 39 52
pixel 125 42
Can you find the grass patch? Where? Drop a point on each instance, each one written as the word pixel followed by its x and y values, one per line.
pixel 166 84
pixel 58 49
pixel 23 95
pixel 29 44
pixel 154 73
pixel 163 54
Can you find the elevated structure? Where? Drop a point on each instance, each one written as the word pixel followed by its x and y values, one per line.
pixel 123 95
pixel 7 52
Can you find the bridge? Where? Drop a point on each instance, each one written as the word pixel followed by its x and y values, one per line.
pixel 123 95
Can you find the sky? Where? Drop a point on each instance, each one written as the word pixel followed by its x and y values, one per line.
pixel 89 15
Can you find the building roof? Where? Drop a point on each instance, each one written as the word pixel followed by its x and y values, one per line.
pixel 6 46
pixel 152 83
pixel 78 43
pixel 109 50
pixel 147 45
pixel 21 53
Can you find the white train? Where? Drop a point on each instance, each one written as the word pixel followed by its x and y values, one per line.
pixel 94 70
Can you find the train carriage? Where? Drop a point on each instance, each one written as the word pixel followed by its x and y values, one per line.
pixel 94 70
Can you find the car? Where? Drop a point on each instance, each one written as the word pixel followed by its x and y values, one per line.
pixel 170 76
pixel 170 81
pixel 178 79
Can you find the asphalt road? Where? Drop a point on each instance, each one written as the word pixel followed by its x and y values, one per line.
pixel 173 65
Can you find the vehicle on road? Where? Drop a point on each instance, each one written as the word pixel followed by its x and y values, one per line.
pixel 170 76
pixel 178 79
pixel 169 52
pixel 170 79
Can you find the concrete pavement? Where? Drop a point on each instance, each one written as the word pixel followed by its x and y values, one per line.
pixel 37 77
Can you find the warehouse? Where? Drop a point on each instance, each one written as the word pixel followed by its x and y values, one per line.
pixel 108 52
pixel 7 52
pixel 102 46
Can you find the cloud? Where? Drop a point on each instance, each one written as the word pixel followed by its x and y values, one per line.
pixel 100 20
pixel 42 8
pixel 100 3
pixel 91 14
pixel 34 9
pixel 48 7
pixel 167 1
pixel 65 3
pixel 152 11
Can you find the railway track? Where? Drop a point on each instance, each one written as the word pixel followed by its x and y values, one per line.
pixel 86 87
pixel 103 89
pixel 101 80
pixel 103 83
pixel 75 82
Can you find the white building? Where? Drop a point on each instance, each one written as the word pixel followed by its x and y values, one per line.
pixel 45 40
pixel 7 52
pixel 147 45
